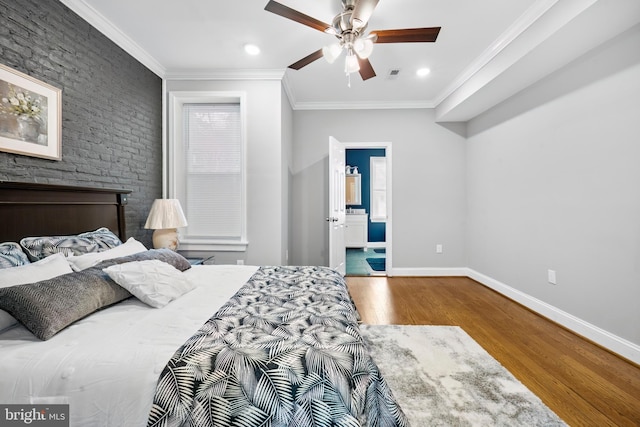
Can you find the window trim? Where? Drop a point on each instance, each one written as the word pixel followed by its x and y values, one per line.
pixel 373 189
pixel 176 101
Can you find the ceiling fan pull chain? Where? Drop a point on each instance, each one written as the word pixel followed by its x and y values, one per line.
pixel 349 80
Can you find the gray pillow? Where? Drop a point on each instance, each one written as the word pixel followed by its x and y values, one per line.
pixel 49 306
pixel 166 255
pixel 91 241
pixel 11 255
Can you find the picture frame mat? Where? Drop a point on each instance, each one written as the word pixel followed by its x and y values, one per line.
pixel 53 149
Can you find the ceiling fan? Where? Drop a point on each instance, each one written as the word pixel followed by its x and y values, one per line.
pixel 349 27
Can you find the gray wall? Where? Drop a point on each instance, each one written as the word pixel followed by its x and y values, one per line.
pixel 428 183
pixel 554 183
pixel 287 177
pixel 111 106
pixel 548 179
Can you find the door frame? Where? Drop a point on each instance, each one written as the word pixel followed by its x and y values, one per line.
pixel 388 227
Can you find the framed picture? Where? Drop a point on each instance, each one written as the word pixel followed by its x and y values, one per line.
pixel 30 116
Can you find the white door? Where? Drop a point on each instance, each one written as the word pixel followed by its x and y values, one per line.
pixel 336 218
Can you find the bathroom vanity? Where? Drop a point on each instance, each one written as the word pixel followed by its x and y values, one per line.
pixel 356 228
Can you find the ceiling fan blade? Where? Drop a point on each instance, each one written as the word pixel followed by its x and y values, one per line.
pixel 366 70
pixel 362 12
pixel 409 35
pixel 307 60
pixel 294 15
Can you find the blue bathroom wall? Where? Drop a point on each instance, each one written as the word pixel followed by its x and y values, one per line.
pixel 361 158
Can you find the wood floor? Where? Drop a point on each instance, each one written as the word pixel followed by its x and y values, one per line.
pixel 581 382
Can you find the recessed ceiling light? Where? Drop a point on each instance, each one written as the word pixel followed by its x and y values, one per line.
pixel 422 72
pixel 251 49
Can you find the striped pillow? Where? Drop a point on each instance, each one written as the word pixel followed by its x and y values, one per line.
pixel 11 255
pixel 91 241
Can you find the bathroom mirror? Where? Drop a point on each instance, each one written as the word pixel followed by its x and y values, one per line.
pixel 353 189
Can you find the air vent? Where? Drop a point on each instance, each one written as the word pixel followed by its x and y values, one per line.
pixel 393 73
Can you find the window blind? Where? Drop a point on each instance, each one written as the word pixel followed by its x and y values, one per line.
pixel 213 170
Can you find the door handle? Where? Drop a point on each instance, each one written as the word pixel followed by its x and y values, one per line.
pixel 331 219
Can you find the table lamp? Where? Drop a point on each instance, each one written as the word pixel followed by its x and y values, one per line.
pixel 164 218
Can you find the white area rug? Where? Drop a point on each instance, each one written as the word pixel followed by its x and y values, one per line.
pixel 442 377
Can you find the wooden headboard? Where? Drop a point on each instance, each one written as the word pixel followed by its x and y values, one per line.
pixel 28 209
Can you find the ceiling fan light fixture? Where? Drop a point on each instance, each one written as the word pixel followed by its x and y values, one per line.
pixel 349 27
pixel 351 64
pixel 363 47
pixel 332 52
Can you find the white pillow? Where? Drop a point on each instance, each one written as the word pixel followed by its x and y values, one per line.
pixel 153 282
pixel 81 262
pixel 47 268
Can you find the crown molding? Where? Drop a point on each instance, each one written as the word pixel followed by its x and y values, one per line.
pixel 220 74
pixel 363 105
pixel 288 90
pixel 99 22
pixel 531 15
pixel 466 78
pixel 539 8
pixel 492 79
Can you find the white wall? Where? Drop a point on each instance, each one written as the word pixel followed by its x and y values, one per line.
pixel 428 183
pixel 553 182
pixel 266 196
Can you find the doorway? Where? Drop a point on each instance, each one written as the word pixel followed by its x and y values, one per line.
pixel 368 219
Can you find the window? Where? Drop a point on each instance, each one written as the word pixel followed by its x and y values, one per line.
pixel 378 189
pixel 207 169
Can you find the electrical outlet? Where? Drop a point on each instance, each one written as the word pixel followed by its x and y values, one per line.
pixel 240 262
pixel 551 276
pixel 438 248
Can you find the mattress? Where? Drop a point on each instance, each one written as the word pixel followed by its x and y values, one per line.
pixel 83 365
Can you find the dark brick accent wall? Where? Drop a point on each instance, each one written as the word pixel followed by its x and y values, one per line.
pixel 111 106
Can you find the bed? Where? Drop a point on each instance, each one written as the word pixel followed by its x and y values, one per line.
pixel 243 346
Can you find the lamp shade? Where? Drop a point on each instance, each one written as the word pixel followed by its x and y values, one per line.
pixel 165 213
pixel 332 52
pixel 363 47
pixel 351 64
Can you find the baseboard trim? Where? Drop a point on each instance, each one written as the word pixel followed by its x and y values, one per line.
pixel 601 337
pixel 611 342
pixel 430 272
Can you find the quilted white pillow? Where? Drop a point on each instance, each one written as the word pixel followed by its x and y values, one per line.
pixel 47 268
pixel 82 262
pixel 153 282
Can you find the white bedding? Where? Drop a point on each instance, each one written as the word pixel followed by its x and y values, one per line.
pixel 106 366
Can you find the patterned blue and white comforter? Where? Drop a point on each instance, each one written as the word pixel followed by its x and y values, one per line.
pixel 285 350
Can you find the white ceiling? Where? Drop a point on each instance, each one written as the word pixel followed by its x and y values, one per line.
pixel 479 43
